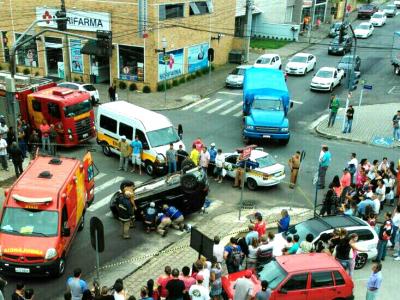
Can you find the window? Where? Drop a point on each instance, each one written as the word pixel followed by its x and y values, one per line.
pixel 108 124
pixel 363 234
pixel 54 110
pixel 296 282
pixel 339 280
pixel 131 63
pixel 170 11
pixel 321 279
pixel 200 8
pixel 27 55
pixel 36 105
pixel 4 43
pixel 143 139
pixel 126 130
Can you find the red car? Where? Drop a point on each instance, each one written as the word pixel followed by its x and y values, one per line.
pixel 312 276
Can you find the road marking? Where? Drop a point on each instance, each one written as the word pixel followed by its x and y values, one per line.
pixel 392 89
pixel 208 104
pixel 195 104
pixel 99 176
pixel 220 106
pixel 238 114
pixel 107 184
pixel 297 102
pixel 317 121
pixel 230 93
pixel 237 105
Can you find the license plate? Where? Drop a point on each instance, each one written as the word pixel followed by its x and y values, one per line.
pixel 85 135
pixel 265 136
pixel 22 270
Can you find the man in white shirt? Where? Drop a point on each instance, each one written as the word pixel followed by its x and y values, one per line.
pixel 3 153
pixel 243 287
pixel 3 127
pixel 218 250
pixel 199 291
pixel 377 204
pixel 205 272
pixel 352 165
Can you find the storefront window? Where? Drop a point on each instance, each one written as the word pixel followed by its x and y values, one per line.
pixel 320 13
pixel 131 63
pixel 4 43
pixel 27 55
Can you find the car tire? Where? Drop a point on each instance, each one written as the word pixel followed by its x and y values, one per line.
pixel 149 168
pixel 340 82
pixel 313 67
pixel 331 88
pixel 105 148
pixel 187 164
pixel 189 183
pixel 280 67
pixel 251 184
pixel 361 261
pixel 82 224
pixel 60 270
pixel 397 70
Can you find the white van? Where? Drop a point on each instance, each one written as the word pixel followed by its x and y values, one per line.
pixel 155 131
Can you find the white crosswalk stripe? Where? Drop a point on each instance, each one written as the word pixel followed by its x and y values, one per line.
pixel 238 114
pixel 107 184
pixel 99 176
pixel 195 104
pixel 237 105
pixel 219 106
pixel 208 104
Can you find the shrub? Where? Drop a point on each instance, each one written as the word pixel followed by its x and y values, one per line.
pixel 189 77
pixel 26 71
pixel 76 79
pixel 198 73
pixel 37 73
pixel 193 76
pixel 205 70
pixel 146 89
pixel 1 67
pixel 132 87
pixel 122 85
pixel 160 87
pixel 16 69
pixel 212 68
pixel 168 85
pixel 175 82
pixel 182 80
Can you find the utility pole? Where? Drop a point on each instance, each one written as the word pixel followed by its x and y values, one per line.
pixel 344 11
pixel 67 67
pixel 249 19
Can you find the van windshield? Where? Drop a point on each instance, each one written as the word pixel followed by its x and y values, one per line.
pixel 77 109
pixel 268 104
pixel 30 222
pixel 164 136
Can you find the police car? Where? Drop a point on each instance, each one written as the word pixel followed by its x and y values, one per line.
pixel 262 168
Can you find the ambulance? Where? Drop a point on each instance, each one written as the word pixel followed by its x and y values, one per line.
pixel 42 213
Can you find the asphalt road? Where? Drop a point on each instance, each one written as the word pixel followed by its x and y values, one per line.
pixel 218 120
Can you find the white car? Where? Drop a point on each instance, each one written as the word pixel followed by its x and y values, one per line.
pixel 235 79
pixel 326 79
pixel 378 19
pixel 397 3
pixel 301 63
pixel 85 87
pixel 267 171
pixel 317 226
pixel 270 61
pixel 364 30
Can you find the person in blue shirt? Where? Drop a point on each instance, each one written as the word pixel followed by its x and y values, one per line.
pixel 175 215
pixel 213 154
pixel 374 282
pixel 363 205
pixel 137 149
pixel 283 223
pixel 253 234
pixel 324 162
pixel 295 247
pixel 76 285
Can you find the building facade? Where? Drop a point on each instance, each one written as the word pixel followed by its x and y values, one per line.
pixel 138 28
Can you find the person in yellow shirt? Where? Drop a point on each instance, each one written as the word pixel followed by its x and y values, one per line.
pixel 195 155
pixel 125 152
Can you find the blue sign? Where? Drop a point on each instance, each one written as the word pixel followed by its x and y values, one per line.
pixel 382 141
pixel 76 56
pixel 197 57
pixel 367 87
pixel 171 65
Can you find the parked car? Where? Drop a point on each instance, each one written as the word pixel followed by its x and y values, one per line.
pixel 270 61
pixel 366 11
pixel 335 28
pixel 235 79
pixel 326 79
pixel 378 19
pixel 390 10
pixel 346 63
pixel 262 169
pixel 340 48
pixel 364 30
pixel 312 276
pixel 367 237
pixel 85 87
pixel 301 63
pixel 397 3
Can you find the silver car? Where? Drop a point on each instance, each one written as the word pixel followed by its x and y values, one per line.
pixel 235 79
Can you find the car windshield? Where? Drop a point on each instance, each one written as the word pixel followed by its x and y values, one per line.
pixel 266 161
pixel 89 87
pixel 363 27
pixel 238 71
pixel 21 221
pixel 312 226
pixel 263 60
pixel 77 109
pixel 377 16
pixel 164 136
pixel 299 59
pixel 268 104
pixel 273 273
pixel 324 74
pixel 367 7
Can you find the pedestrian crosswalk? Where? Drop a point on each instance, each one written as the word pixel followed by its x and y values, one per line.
pixel 219 106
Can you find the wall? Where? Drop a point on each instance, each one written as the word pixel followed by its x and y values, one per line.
pixel 281 31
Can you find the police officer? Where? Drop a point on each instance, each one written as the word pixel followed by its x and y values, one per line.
pixel 294 165
pixel 126 206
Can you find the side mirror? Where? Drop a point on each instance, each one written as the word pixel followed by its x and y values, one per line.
pixel 66 231
pixel 282 291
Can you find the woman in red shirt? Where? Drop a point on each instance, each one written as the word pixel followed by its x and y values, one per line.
pixel 259 225
pixel 162 281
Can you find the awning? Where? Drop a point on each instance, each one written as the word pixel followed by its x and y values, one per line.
pixel 241 9
pixel 91 48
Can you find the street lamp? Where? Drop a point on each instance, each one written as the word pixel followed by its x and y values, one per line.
pixel 164 47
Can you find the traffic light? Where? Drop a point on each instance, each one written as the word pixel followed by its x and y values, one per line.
pixel 342 33
pixel 61 24
pixel 104 42
pixel 353 79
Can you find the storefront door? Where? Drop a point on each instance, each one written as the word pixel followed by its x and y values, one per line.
pixel 99 69
pixel 54 57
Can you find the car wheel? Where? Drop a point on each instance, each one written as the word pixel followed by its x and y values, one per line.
pixel 313 66
pixel 331 88
pixel 106 149
pixel 82 224
pixel 189 182
pixel 397 70
pixel 340 82
pixel 361 261
pixel 305 71
pixel 59 271
pixel 280 67
pixel 251 184
pixel 187 164
pixel 149 168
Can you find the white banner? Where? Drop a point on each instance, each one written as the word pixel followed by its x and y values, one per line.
pixel 77 20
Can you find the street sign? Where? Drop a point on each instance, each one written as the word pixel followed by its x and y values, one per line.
pixel 367 87
pixel 97 234
pixel 201 243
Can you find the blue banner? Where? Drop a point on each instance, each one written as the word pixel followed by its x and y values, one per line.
pixel 197 57
pixel 76 56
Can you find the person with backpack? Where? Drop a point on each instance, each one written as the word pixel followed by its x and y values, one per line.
pixel 233 256
pixel 126 206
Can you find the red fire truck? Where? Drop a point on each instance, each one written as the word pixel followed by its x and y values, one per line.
pixel 39 98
